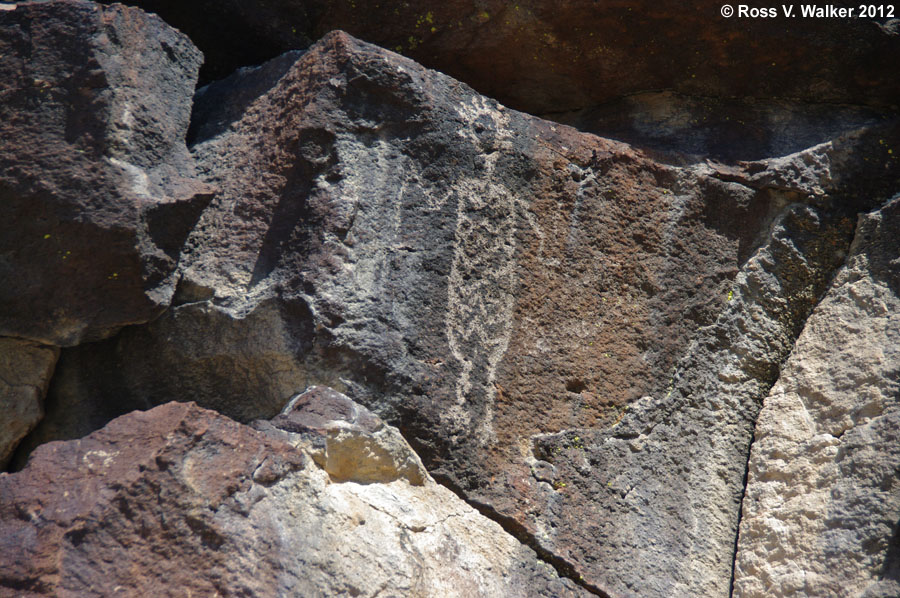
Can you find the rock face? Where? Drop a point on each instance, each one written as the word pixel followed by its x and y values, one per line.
pixel 725 129
pixel 244 367
pixel 401 200
pixel 25 370
pixel 96 183
pixel 197 504
pixel 740 88
pixel 822 505
pixel 575 337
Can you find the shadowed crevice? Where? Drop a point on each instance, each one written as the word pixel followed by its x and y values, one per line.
pixel 563 568
pixel 798 330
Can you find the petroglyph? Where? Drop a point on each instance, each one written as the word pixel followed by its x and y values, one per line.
pixel 483 274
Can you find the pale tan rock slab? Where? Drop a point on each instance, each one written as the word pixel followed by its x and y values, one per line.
pixel 823 497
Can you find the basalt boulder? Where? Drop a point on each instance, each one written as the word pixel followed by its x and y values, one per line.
pixel 179 500
pixel 97 187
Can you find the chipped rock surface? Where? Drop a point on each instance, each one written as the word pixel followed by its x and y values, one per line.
pixel 96 185
pixel 197 504
pixel 822 504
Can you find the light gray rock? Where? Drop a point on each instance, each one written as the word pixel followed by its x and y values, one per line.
pixel 822 505
pixel 25 370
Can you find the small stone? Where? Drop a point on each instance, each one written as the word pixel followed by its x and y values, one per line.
pixel 359 447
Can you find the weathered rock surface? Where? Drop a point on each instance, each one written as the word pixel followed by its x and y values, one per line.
pixel 25 369
pixel 821 512
pixel 182 501
pixel 245 367
pixel 573 336
pixel 577 336
pixel 544 56
pixel 96 183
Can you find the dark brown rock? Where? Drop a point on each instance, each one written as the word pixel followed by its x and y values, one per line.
pixel 183 501
pixel 25 369
pixel 543 56
pixel 733 88
pixel 97 187
pixel 721 128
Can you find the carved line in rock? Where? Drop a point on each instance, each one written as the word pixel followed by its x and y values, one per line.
pixel 478 324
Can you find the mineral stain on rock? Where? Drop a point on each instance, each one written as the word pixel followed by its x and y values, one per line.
pixel 353 443
pixel 663 367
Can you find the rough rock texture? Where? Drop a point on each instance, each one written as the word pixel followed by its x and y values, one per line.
pixel 180 501
pixel 822 508
pixel 247 368
pixel 95 180
pixel 656 74
pixel 357 185
pixel 25 370
pixel 548 56
pixel 575 337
